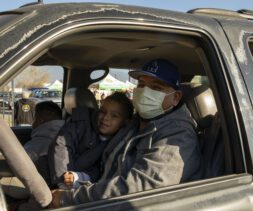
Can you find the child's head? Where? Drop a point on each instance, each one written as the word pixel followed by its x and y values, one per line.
pixel 116 110
pixel 46 111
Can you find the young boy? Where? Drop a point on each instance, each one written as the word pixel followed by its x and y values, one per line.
pixel 46 125
pixel 79 146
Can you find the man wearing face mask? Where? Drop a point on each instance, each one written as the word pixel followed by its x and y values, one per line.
pixel 159 148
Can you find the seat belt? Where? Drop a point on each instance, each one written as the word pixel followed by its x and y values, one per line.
pixel 211 138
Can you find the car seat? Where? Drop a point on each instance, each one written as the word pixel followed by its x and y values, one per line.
pixel 201 103
pixel 78 97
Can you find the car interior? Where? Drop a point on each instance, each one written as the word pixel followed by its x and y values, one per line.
pixel 130 50
pixel 83 52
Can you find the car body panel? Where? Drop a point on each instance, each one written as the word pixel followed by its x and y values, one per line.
pixel 241 49
pixel 45 19
pixel 234 194
pixel 36 29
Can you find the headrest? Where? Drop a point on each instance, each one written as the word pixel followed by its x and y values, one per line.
pixel 78 97
pixel 200 101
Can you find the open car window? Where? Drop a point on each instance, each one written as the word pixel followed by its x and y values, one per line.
pixel 43 84
pixel 125 50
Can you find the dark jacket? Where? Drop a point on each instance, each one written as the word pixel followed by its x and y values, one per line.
pixel 165 153
pixel 37 147
pixel 42 137
pixel 24 111
pixel 77 147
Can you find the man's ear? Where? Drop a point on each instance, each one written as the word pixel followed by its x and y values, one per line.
pixel 177 97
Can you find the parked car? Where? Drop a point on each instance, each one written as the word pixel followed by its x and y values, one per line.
pixel 48 94
pixel 5 101
pixel 213 51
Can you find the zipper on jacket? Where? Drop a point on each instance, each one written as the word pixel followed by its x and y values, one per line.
pixel 136 137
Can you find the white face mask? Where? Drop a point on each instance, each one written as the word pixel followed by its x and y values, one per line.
pixel 148 102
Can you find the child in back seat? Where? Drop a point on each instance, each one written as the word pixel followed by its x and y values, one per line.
pixel 46 125
pixel 76 154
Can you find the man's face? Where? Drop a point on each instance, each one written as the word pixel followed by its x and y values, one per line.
pixel 161 86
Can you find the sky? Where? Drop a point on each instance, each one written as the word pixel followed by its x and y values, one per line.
pixel 177 5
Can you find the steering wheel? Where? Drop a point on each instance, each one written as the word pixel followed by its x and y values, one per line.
pixel 22 166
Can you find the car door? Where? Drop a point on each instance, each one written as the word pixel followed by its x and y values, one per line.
pixel 240 35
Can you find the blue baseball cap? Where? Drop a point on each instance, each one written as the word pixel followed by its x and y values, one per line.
pixel 161 69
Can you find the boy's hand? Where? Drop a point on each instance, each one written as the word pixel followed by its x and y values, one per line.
pixel 68 179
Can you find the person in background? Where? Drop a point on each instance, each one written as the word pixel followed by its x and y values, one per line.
pixel 24 109
pixel 76 154
pixel 46 125
pixel 159 148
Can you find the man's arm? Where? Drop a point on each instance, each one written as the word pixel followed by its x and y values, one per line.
pixel 168 161
pixel 152 168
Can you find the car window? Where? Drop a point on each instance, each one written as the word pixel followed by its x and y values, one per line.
pixel 129 50
pixel 122 52
pixel 117 80
pixel 42 83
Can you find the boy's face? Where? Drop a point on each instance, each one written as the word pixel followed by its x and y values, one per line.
pixel 111 118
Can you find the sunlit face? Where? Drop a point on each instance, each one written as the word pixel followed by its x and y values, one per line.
pixel 111 118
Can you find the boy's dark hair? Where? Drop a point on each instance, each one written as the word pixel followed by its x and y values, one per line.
pixel 47 111
pixel 124 101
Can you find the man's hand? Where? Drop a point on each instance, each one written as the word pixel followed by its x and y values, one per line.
pixel 68 179
pixel 56 198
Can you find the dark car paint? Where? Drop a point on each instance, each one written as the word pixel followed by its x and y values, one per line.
pixel 245 62
pixel 227 193
pixel 44 19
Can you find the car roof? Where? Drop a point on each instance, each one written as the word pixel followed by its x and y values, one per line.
pixel 242 14
pixel 30 22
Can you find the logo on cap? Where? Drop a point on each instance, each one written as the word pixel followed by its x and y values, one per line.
pixel 153 67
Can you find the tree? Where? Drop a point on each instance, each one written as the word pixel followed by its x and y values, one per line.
pixel 32 77
pixel 5 88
